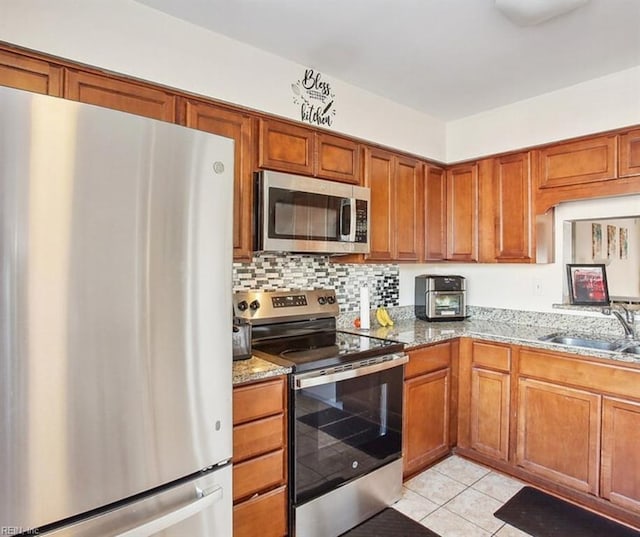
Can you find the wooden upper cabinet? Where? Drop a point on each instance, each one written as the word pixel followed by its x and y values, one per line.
pixel 576 163
pixel 512 203
pixel 239 127
pixel 286 147
pixel 30 74
pixel 629 153
pixel 295 149
pixel 123 95
pixel 435 214
pixel 338 159
pixel 408 212
pixel 378 176
pixel 462 213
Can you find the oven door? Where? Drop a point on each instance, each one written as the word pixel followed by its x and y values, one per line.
pixel 345 424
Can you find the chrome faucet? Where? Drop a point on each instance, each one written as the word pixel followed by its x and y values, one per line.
pixel 627 320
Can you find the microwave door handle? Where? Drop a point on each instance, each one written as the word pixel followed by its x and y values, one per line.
pixel 347 229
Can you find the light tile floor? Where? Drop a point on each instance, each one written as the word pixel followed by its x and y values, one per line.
pixel 457 498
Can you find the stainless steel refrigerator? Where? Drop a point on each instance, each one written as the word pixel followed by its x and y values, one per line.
pixel 115 323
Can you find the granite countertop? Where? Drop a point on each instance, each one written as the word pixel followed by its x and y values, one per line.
pixel 415 333
pixel 256 368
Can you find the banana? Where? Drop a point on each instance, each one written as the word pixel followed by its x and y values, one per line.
pixel 387 317
pixel 383 318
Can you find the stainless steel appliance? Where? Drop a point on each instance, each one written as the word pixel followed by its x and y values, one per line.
pixel 345 409
pixel 115 333
pixel 440 298
pixel 241 339
pixel 300 214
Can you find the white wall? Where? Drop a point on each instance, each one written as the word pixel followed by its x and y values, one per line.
pixel 601 104
pixel 514 286
pixel 133 39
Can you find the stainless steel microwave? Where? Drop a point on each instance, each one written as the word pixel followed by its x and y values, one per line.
pixel 300 214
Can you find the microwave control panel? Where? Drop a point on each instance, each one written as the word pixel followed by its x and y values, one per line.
pixel 361 221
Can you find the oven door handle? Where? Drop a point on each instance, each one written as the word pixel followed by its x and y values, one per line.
pixel 309 380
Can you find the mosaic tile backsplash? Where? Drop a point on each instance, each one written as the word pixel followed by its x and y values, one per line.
pixel 279 272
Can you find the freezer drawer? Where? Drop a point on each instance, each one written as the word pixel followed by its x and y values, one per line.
pixel 198 508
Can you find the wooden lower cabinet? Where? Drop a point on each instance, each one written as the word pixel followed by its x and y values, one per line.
pixel 559 433
pixel 621 452
pixel 490 413
pixel 426 407
pixel 260 459
pixel 264 515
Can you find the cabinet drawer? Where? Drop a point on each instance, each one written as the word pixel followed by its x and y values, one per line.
pixel 428 359
pixel 598 377
pixel 492 356
pixel 258 474
pixel 264 515
pixel 258 400
pixel 258 437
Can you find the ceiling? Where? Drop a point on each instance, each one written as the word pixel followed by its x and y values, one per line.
pixel 446 58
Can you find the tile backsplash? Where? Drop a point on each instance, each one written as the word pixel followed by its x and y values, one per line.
pixel 273 272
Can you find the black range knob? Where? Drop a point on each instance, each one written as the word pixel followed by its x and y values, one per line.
pixel 331 299
pixel 243 305
pixel 322 300
pixel 254 305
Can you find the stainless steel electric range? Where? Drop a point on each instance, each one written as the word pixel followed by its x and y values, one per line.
pixel 345 409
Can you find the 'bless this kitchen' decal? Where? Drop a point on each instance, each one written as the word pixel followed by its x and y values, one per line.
pixel 315 98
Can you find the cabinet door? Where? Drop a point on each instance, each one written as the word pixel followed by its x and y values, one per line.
pixel 123 95
pixel 286 147
pixel 238 126
pixel 426 420
pixel 407 202
pixel 21 72
pixel 620 452
pixel 462 213
pixel 629 158
pixel 379 177
pixel 338 159
pixel 558 433
pixel 435 214
pixel 490 412
pixel 512 183
pixel 577 163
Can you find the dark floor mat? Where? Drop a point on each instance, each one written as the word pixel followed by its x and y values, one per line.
pixel 542 515
pixel 390 523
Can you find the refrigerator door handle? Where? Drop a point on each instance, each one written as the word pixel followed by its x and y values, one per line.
pixel 208 498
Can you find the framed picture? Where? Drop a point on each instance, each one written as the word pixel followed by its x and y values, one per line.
pixel 588 285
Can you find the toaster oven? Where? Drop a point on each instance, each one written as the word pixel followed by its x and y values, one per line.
pixel 440 298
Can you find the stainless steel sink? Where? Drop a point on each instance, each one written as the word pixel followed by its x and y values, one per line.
pixel 577 341
pixel 572 340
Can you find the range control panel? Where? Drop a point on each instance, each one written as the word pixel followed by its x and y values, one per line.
pixel 263 307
